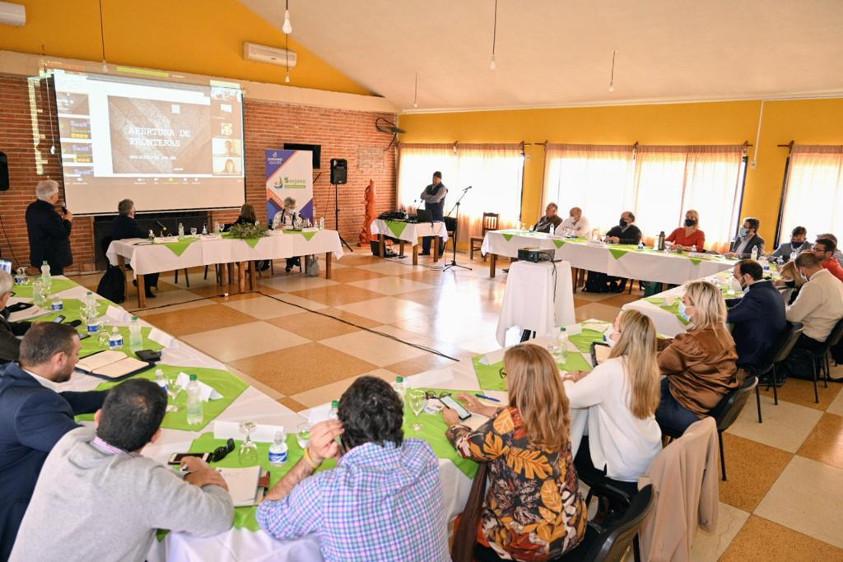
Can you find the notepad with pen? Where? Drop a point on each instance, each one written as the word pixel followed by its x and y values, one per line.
pixel 111 365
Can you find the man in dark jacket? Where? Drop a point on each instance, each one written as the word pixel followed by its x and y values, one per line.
pixel 747 240
pixel 34 416
pixel 434 201
pixel 625 232
pixel 49 232
pixel 125 226
pixel 758 318
pixel 9 343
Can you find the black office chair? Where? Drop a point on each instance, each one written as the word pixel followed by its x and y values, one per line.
pixel 820 365
pixel 610 544
pixel 781 350
pixel 727 411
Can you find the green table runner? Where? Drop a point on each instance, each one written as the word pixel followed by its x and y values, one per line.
pixel 227 384
pixel 91 344
pixel 252 242
pixel 56 286
pixel 72 310
pixel 585 338
pixel 178 247
pixel 396 227
pixel 489 378
pixel 308 234
pixel 672 307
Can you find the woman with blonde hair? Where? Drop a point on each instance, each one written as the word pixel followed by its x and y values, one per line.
pixel 689 236
pixel 532 509
pixel 621 395
pixel 700 365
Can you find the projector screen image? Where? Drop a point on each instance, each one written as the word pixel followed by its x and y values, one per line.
pixel 166 146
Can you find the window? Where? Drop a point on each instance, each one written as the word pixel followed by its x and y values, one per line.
pixel 493 171
pixel 813 195
pixel 657 183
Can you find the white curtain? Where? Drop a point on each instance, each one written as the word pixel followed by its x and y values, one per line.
pixel 598 179
pixel 814 191
pixel 657 183
pixel 493 171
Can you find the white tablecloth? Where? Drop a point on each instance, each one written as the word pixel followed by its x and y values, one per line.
pixel 538 297
pixel 209 250
pixel 644 265
pixel 407 231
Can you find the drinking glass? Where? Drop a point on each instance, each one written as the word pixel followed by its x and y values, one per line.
pixel 248 453
pixel 173 390
pixel 416 400
pixel 561 347
pixel 303 435
pixel 38 293
pixel 102 336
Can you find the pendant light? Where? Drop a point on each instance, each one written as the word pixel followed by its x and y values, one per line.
pixel 287 27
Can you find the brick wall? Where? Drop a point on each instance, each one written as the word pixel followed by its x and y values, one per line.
pixel 342 134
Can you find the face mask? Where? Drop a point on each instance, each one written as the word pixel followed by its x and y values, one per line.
pixel 743 232
pixel 735 285
pixel 683 312
pixel 622 223
pixel 690 222
pixel 610 341
pixel 796 244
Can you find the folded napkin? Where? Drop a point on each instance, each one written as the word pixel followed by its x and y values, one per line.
pixel 205 392
pixel 231 430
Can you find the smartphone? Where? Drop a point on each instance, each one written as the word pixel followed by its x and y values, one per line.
pixel 599 352
pixel 59 319
pixel 456 406
pixel 177 458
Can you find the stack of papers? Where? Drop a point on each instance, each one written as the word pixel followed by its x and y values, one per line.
pixel 242 484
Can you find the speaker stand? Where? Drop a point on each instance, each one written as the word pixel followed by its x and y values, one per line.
pixel 337 217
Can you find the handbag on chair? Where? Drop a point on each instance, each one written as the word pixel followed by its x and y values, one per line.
pixel 465 534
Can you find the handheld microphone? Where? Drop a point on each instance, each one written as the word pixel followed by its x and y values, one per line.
pixel 467 188
pixel 161 225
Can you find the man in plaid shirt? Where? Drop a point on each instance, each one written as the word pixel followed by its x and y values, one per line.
pixel 383 501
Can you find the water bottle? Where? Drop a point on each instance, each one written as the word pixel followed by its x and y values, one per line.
pixel 90 305
pixel 194 402
pixel 278 449
pixel 46 278
pixel 399 386
pixel 754 253
pixel 135 336
pixel 57 305
pixel 640 244
pixel 204 230
pixel 181 231
pixel 115 339
pixel 160 380
pixel 151 236
pixel 660 241
pixel 335 407
pixel 321 223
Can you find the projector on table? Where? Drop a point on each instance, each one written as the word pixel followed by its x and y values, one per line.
pixel 535 255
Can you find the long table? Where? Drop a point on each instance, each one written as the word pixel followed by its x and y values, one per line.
pixel 409 232
pixel 620 260
pixel 172 254
pixel 251 405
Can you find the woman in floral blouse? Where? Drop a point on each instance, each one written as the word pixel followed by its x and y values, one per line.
pixel 533 510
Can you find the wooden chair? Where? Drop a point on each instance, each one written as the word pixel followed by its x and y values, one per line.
pixel 490 222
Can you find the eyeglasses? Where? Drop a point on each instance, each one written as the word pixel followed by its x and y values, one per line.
pixel 221 452
pixel 502 373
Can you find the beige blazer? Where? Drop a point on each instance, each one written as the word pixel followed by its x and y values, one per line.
pixel 686 479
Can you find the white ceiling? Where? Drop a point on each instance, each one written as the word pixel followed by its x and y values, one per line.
pixel 558 52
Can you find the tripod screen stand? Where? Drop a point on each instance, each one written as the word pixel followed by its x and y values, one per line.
pixel 337 216
pixel 456 233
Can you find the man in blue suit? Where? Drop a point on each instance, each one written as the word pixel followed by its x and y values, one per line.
pixel 758 318
pixel 34 416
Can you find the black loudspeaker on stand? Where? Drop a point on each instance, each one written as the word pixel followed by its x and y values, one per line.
pixel 339 176
pixel 456 233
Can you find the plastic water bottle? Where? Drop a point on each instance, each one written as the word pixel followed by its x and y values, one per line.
pixel 755 253
pixel 46 278
pixel 151 236
pixel 640 244
pixel 135 336
pixel 57 305
pixel 115 339
pixel 278 449
pixel 335 407
pixel 321 223
pixel 399 386
pixel 181 231
pixel 194 402
pixel 204 230
pixel 160 380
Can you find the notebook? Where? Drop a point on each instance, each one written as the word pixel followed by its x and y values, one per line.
pixel 111 364
pixel 242 484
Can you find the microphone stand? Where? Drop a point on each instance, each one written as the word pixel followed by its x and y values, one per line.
pixel 456 233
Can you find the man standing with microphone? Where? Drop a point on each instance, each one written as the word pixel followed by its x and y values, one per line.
pixel 434 201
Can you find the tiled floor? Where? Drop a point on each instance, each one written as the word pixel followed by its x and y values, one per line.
pixel 304 340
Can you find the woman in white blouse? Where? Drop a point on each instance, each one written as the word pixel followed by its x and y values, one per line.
pixel 621 395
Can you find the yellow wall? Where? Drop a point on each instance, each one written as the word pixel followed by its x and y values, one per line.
pixel 195 36
pixel 806 121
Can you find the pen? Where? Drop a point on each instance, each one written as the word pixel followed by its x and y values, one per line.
pixel 479 395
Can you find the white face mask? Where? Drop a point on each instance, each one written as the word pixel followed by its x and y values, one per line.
pixel 735 285
pixel 683 312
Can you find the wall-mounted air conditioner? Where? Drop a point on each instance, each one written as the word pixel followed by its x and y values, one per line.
pixel 271 55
